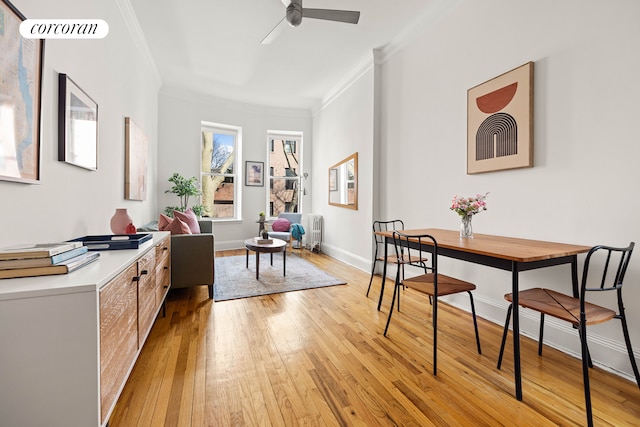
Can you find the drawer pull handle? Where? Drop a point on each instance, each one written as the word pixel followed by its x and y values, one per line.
pixel 165 248
pixel 136 278
pixel 144 272
pixel 166 267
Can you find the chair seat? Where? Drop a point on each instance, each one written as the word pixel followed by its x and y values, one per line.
pixel 393 259
pixel 446 285
pixel 561 306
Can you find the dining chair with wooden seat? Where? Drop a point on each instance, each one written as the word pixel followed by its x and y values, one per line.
pixel 434 284
pixel 379 253
pixel 604 270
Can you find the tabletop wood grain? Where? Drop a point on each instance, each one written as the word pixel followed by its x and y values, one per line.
pixel 508 248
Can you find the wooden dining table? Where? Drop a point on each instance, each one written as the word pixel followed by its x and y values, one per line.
pixel 505 253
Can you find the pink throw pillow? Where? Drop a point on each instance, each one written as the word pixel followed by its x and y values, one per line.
pixel 189 218
pixel 164 222
pixel 178 226
pixel 281 224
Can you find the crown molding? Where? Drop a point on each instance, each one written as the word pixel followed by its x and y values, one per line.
pixel 382 54
pixel 132 24
pixel 365 64
pixel 430 16
pixel 192 96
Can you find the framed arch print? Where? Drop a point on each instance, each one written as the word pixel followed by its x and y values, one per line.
pixel 500 122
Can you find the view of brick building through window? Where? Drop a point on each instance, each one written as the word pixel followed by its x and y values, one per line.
pixel 284 174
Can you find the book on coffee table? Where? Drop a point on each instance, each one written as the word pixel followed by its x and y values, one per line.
pixel 261 241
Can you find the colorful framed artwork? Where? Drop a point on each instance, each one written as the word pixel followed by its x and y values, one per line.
pixel 254 174
pixel 20 99
pixel 500 122
pixel 135 179
pixel 77 125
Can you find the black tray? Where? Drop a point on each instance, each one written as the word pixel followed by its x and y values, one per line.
pixel 110 242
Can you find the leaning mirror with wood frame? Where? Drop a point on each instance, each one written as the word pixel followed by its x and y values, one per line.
pixel 343 183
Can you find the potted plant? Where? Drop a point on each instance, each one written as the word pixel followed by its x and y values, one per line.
pixel 184 188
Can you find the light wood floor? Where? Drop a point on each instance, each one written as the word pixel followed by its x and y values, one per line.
pixel 318 358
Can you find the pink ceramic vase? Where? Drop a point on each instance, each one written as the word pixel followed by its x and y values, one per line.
pixel 120 220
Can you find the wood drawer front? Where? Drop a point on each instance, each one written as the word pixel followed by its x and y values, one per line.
pixel 118 334
pixel 163 250
pixel 163 279
pixel 163 270
pixel 146 295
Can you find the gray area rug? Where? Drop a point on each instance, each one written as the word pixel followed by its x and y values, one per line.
pixel 234 280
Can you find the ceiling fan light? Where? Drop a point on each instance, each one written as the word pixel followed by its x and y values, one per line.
pixel 294 14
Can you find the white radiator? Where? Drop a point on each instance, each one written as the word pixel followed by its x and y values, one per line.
pixel 313 232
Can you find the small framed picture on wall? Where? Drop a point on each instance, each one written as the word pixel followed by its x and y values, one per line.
pixel 254 174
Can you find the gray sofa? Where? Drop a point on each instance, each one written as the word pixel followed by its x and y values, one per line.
pixel 192 257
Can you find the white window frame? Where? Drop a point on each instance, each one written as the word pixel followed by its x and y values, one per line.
pixel 299 144
pixel 235 131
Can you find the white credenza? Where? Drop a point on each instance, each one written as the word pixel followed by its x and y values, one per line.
pixel 69 342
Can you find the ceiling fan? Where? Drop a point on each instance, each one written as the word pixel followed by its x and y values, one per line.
pixel 295 12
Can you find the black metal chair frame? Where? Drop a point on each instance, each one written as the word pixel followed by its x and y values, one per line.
pixel 606 283
pixel 379 242
pixel 419 243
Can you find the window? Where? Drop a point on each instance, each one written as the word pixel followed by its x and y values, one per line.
pixel 284 173
pixel 220 172
pixel 290 147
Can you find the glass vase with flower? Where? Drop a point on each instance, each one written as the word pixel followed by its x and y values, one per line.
pixel 467 207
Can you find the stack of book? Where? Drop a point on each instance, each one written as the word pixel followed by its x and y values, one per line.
pixel 44 259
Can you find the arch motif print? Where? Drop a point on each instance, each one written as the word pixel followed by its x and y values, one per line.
pixel 497 136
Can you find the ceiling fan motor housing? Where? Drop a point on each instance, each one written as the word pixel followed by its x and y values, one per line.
pixel 294 13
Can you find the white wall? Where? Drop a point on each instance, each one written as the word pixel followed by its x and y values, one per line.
pixel 582 186
pixel 180 115
pixel 71 202
pixel 341 127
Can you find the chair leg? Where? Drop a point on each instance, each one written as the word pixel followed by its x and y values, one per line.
pixel 435 333
pixel 475 322
pixel 585 369
pixel 625 331
pixel 587 344
pixel 540 335
pixel 393 300
pixel 373 269
pixel 504 335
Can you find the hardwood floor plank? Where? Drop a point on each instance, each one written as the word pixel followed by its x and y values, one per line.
pixel 318 358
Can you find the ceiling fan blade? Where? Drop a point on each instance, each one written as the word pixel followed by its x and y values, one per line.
pixel 348 16
pixel 275 32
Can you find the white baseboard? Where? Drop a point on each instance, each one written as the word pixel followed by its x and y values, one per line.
pixel 347 257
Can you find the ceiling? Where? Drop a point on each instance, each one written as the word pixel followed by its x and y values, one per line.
pixel 214 46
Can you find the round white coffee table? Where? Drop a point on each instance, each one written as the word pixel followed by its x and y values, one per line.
pixel 267 248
